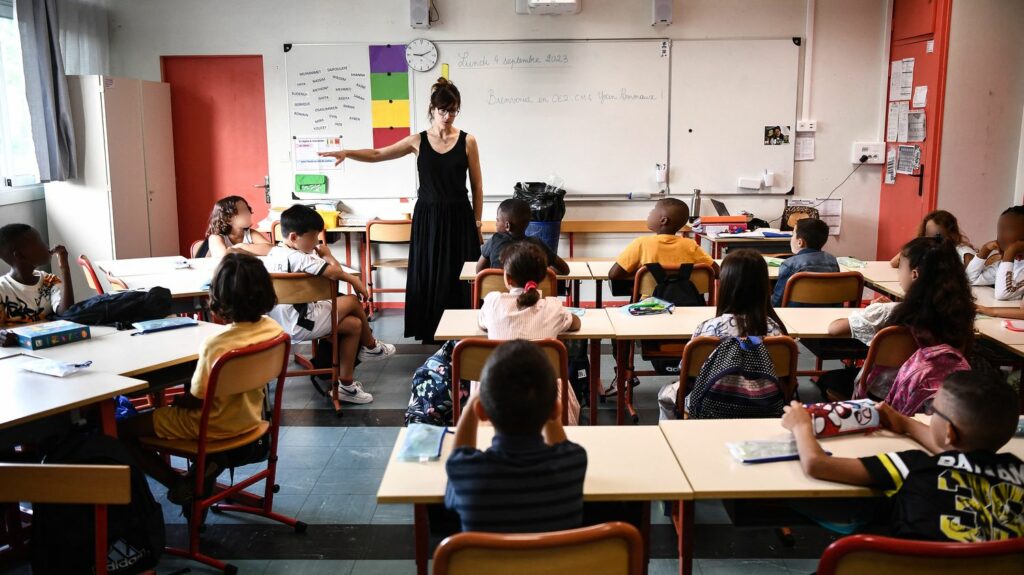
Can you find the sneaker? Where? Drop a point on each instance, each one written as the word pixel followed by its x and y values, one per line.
pixel 376 353
pixel 353 393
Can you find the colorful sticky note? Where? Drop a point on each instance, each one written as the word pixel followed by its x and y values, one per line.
pixel 389 86
pixel 388 58
pixel 390 113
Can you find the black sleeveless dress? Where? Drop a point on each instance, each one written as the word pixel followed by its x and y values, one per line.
pixel 444 236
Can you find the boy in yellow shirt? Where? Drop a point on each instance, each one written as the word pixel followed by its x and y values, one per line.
pixel 668 216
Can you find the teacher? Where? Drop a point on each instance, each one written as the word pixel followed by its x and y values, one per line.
pixel 445 226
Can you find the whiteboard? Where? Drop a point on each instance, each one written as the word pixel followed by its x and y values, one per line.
pixel 593 113
pixel 352 94
pixel 724 94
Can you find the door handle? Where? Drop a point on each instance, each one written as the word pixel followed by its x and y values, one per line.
pixel 266 188
pixel 920 182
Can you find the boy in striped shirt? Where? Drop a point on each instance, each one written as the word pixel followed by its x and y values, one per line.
pixel 963 490
pixel 530 479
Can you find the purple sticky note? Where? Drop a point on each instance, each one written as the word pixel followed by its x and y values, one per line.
pixel 387 58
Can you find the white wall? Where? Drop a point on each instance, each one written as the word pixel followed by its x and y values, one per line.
pixel 845 96
pixel 982 122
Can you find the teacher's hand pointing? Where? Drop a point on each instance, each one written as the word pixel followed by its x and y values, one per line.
pixel 339 157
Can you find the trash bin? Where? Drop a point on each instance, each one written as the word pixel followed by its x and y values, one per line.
pixel 547 208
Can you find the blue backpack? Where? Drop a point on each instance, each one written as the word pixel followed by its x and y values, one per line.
pixel 431 401
pixel 737 381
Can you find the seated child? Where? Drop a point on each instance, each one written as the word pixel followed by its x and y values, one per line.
pixel 959 489
pixel 668 216
pixel 523 312
pixel 984 269
pixel 299 251
pixel 230 227
pixel 942 224
pixel 28 295
pixel 510 227
pixel 240 293
pixel 808 238
pixel 530 479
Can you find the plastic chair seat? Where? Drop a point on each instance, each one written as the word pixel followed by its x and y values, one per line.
pixel 391 263
pixel 188 447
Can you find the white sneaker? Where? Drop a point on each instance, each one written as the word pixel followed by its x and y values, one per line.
pixel 353 393
pixel 376 353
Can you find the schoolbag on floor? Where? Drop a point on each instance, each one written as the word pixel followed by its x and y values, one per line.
pixel 579 369
pixel 121 308
pixel 63 536
pixel 431 401
pixel 674 287
pixel 737 381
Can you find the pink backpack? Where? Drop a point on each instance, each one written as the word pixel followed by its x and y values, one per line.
pixel 922 375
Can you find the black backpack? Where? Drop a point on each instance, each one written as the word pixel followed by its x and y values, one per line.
pixel 674 287
pixel 63 536
pixel 121 308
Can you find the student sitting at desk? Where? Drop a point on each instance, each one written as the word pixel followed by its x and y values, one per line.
pixel 530 479
pixel 809 237
pixel 28 295
pixel 668 216
pixel 962 490
pixel 994 265
pixel 510 227
pixel 942 224
pixel 231 227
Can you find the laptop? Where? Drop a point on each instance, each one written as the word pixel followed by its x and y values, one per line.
pixel 720 207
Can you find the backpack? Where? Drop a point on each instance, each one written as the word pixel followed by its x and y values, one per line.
pixel 431 401
pixel 579 369
pixel 121 308
pixel 63 536
pixel 675 288
pixel 737 381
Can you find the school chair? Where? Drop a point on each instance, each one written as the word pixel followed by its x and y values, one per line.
pixel 703 277
pixel 890 349
pixel 237 371
pixel 193 250
pixel 613 548
pixel 491 280
pixel 93 279
pixel 781 348
pixel 99 485
pixel 827 289
pixel 470 355
pixel 384 232
pixel 879 555
pixel 299 289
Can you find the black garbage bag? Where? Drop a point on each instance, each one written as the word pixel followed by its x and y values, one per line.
pixel 547 203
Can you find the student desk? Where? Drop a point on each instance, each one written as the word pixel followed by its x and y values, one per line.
pixel 719 246
pixel 594 326
pixel 627 464
pixel 986 296
pixel 578 271
pixel 875 272
pixel 699 446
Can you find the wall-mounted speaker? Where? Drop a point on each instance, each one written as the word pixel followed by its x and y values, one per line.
pixel 419 14
pixel 661 12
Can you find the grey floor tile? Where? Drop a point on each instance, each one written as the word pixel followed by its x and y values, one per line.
pixel 665 567
pixel 360 456
pixel 326 437
pixel 305 457
pixel 801 566
pixel 336 480
pixel 307 567
pixel 333 508
pixel 710 512
pixel 741 567
pixel 370 436
pixel 170 564
pixel 383 568
pixel 392 514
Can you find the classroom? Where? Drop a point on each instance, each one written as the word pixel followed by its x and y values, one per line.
pixel 444 287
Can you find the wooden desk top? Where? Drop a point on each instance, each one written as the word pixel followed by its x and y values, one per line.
pixel 876 272
pixel 993 328
pixel 29 396
pixel 986 296
pixel 95 331
pixel 462 324
pixel 699 446
pixel 578 270
pixel 683 321
pixel 599 268
pixel 734 240
pixel 623 464
pixel 811 322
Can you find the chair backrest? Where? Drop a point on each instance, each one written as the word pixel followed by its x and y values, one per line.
pixel 891 347
pixel 470 355
pixel 249 368
pixel 877 555
pixel 293 288
pixel 275 233
pixel 389 231
pixel 703 278
pixel 90 274
pixel 492 280
pixel 606 549
pixel 783 350
pixel 193 250
pixel 824 288
pixel 95 484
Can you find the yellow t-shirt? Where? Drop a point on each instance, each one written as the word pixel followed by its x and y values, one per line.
pixel 230 416
pixel 661 249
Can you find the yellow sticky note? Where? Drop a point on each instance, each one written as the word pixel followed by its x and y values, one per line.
pixel 390 113
pixel 444 71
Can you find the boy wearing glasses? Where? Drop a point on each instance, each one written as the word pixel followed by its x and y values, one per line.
pixel 962 490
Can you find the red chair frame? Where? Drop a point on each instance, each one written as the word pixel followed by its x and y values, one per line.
pixel 550 281
pixel 830 561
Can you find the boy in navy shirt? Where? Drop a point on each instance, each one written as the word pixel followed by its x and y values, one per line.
pixel 530 479
pixel 510 227
pixel 808 238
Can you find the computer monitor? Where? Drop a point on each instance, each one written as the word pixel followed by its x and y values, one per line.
pixel 720 207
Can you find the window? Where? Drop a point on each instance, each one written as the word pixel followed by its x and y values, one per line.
pixel 17 154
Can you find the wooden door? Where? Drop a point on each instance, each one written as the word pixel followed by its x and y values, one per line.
pixel 158 142
pixel 218 114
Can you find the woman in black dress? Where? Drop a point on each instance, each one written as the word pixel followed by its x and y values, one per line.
pixel 445 226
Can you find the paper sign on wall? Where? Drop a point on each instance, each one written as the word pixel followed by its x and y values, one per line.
pixel 908 159
pixel 920 97
pixel 892 123
pixel 915 126
pixel 903 121
pixel 890 166
pixel 901 79
pixel 804 149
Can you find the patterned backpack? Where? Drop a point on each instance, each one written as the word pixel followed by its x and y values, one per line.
pixel 431 401
pixel 737 381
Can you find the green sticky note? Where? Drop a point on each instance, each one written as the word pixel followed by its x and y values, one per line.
pixel 389 86
pixel 310 183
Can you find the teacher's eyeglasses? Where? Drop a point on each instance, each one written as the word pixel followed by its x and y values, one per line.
pixel 448 113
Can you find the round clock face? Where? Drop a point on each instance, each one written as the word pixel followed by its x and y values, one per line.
pixel 421 55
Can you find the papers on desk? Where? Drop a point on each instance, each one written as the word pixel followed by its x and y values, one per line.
pixel 764 450
pixel 44 366
pixel 758 234
pixel 155 325
pixel 143 266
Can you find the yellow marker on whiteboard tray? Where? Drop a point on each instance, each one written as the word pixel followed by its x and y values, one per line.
pixel 444 71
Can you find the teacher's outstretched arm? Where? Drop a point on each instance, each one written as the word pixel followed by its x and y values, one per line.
pixel 476 182
pixel 403 147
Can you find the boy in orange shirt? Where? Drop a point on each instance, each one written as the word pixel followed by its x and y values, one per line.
pixel 668 216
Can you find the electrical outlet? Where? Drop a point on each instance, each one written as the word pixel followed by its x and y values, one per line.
pixel 875 151
pixel 806 126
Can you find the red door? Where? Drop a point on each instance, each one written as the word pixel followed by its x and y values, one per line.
pixel 903 204
pixel 219 120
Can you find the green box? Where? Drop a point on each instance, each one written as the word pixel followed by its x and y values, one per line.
pixel 389 86
pixel 310 183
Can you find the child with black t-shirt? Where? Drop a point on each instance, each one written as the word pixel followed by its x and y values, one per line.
pixel 966 491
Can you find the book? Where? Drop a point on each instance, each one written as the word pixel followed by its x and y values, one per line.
pixel 842 417
pixel 164 324
pixel 50 334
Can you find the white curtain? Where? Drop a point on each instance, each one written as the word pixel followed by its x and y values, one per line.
pixel 84 36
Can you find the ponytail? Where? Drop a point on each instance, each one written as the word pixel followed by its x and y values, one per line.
pixel 527 265
pixel 529 297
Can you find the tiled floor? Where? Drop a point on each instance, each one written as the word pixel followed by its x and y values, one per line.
pixel 329 471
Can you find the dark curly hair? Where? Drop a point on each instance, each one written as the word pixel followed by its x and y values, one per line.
pixel 939 306
pixel 223 211
pixel 950 227
pixel 241 289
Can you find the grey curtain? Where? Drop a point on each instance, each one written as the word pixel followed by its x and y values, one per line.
pixel 47 90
